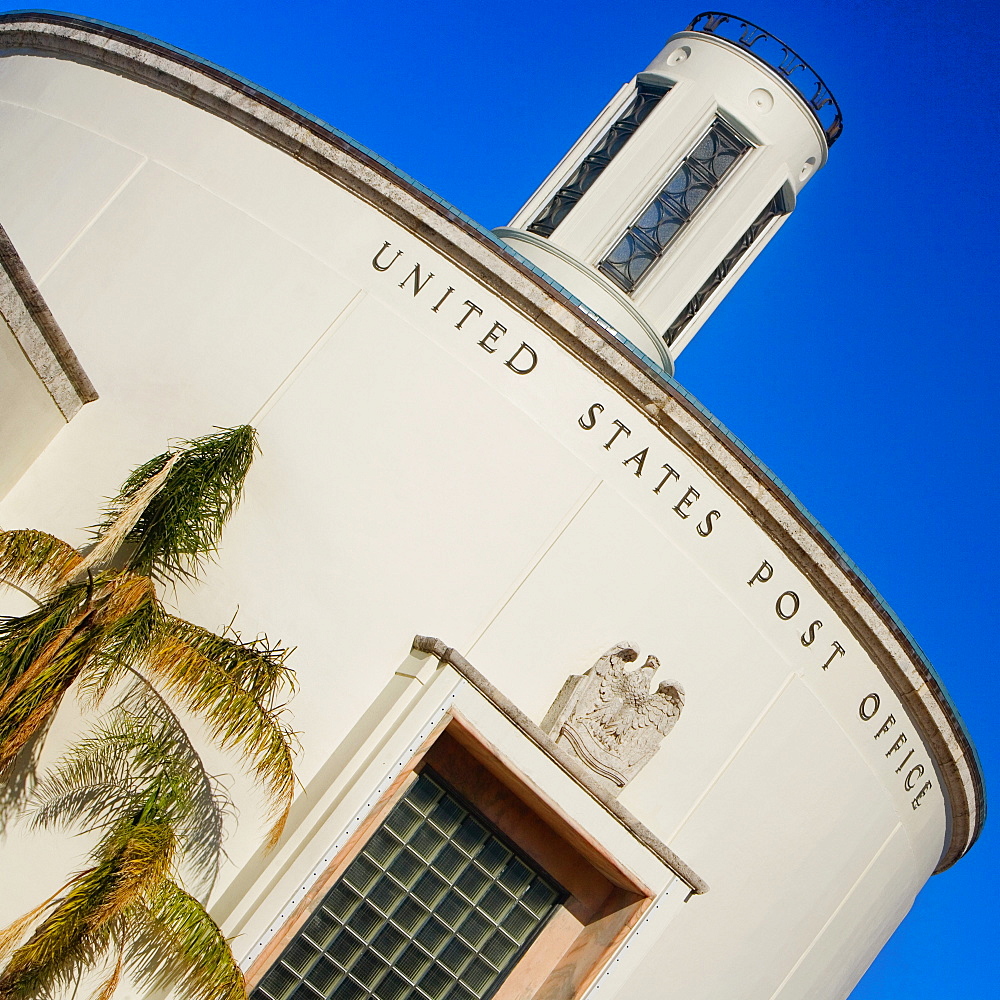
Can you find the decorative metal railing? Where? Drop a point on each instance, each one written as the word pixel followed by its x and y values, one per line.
pixel 783 60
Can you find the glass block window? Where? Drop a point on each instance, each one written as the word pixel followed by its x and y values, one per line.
pixel 436 906
pixel 686 189
pixel 774 208
pixel 647 96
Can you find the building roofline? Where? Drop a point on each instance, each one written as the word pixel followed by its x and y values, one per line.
pixel 667 404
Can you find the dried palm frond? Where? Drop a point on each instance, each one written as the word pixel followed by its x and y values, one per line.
pixel 23 638
pixel 108 987
pixel 35 559
pixel 258 666
pixel 234 716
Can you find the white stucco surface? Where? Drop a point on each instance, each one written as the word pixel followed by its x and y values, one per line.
pixel 412 481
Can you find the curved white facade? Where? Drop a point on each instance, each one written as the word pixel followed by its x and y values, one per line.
pixel 452 447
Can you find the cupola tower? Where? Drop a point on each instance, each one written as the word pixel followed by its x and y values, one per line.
pixel 677 185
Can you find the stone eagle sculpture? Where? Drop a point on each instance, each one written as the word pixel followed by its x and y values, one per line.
pixel 609 717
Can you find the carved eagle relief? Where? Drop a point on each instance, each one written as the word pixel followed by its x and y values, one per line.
pixel 611 719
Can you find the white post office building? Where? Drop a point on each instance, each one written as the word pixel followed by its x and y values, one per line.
pixel 590 706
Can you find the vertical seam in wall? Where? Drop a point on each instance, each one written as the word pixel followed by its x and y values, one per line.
pixel 97 215
pixel 293 374
pixel 840 906
pixel 533 564
pixel 728 761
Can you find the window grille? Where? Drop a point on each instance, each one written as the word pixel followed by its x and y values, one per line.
pixel 436 906
pixel 686 190
pixel 774 208
pixel 647 96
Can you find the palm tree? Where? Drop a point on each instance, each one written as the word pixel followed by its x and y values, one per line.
pixel 100 628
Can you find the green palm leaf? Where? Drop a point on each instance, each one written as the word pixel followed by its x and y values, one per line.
pixel 182 523
pixel 182 947
pixel 258 666
pixel 103 623
pixel 132 861
pixel 139 747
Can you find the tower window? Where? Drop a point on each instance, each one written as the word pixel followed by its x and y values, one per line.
pixel 774 208
pixel 647 96
pixel 700 173
pixel 436 906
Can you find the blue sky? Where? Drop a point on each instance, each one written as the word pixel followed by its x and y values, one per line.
pixel 857 357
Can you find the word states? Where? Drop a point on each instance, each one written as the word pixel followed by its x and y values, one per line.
pixel 521 360
pixel 667 479
pixel 911 773
pixel 786 607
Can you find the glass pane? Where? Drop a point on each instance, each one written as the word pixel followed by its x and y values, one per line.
pixel 300 955
pixel 324 975
pixel 396 928
pixel 349 990
pixel 774 208
pixel 341 900
pixel 320 928
pixel 386 893
pixel 403 820
pixel 498 949
pixel 345 948
pixel 475 928
pixel 278 982
pixel 413 962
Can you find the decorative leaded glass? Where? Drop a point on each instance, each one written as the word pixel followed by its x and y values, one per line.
pixel 686 189
pixel 775 207
pixel 436 906
pixel 647 96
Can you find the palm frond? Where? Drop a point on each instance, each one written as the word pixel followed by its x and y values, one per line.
pixel 107 548
pixel 23 638
pixel 234 716
pixel 139 855
pixel 30 701
pixel 184 948
pixel 259 666
pixel 107 990
pixel 183 521
pixel 35 559
pixel 127 620
pixel 140 746
pixel 132 863
pixel 12 934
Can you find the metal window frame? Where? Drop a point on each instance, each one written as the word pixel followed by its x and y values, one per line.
pixel 646 96
pixel 764 221
pixel 719 123
pixel 297 977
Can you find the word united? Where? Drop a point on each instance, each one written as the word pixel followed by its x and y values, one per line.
pixel 521 361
